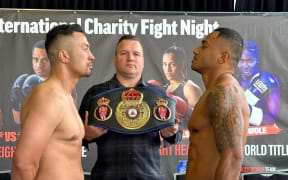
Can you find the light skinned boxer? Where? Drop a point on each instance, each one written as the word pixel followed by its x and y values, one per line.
pixel 51 130
pixel 219 122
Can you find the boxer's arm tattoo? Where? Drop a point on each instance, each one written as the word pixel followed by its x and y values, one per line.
pixel 225 117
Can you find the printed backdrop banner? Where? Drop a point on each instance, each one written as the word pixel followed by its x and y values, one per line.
pixel 267 144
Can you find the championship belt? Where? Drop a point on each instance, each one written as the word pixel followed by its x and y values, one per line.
pixel 132 110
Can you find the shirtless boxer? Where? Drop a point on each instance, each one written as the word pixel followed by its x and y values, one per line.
pixel 219 123
pixel 52 131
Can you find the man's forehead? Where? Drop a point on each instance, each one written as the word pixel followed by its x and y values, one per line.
pixel 248 55
pixel 78 34
pixel 39 51
pixel 131 44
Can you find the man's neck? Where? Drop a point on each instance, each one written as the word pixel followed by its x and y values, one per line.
pixel 210 80
pixel 128 81
pixel 65 80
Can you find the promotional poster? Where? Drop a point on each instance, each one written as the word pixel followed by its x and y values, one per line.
pixel 261 72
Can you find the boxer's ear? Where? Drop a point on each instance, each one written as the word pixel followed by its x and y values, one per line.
pixel 63 56
pixel 224 56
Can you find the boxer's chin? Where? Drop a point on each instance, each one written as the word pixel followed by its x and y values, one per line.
pixel 88 74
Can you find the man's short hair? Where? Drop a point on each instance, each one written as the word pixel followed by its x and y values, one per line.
pixel 39 44
pixel 127 37
pixel 61 30
pixel 235 40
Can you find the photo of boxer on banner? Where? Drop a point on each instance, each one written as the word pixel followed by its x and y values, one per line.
pixel 186 93
pixel 262 89
pixel 174 68
pixel 25 83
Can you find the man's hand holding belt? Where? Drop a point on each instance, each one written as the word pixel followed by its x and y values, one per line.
pixel 170 131
pixel 92 132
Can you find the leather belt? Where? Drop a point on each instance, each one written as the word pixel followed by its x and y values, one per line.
pixel 132 110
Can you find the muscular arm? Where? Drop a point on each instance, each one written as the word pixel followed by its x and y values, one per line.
pixel 192 93
pixel 40 117
pixel 227 123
